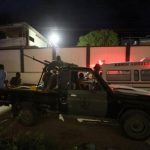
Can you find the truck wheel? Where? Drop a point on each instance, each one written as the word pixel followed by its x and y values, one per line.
pixel 15 110
pixel 136 124
pixel 27 115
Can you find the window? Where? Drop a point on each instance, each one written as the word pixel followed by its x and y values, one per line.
pixel 31 38
pixel 136 75
pixel 2 35
pixel 83 80
pixel 145 75
pixel 118 75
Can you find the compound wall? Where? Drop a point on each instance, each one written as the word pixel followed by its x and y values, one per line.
pixel 14 60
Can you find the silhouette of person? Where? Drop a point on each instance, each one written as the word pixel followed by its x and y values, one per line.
pixel 52 82
pixel 97 68
pixel 2 76
pixel 81 83
pixel 16 81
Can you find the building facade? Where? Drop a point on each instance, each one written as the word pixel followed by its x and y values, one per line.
pixel 21 35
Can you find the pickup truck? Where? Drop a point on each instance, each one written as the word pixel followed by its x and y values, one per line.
pixel 86 96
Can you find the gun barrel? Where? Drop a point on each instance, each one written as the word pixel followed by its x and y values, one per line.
pixel 36 59
pixel 28 56
pixel 47 61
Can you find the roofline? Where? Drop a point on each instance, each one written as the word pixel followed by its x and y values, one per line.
pixel 128 64
pixel 23 24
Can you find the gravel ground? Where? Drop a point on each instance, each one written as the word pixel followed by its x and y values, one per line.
pixel 69 133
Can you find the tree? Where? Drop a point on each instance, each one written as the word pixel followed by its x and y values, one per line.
pixel 102 37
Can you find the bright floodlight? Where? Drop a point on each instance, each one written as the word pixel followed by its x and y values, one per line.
pixel 54 39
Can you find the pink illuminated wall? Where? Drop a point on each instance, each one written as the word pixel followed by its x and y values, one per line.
pixel 108 54
pixel 138 52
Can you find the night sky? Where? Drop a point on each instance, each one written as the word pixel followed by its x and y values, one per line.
pixel 75 18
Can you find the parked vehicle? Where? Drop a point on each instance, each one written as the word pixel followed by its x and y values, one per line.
pixel 90 96
pixel 128 89
pixel 134 74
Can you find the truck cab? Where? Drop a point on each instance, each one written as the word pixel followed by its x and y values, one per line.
pixel 85 94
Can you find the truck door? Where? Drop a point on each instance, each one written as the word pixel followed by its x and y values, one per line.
pixel 86 101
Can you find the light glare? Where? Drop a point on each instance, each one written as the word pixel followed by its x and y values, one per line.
pixel 54 39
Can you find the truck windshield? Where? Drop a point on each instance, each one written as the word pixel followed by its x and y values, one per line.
pixel 84 80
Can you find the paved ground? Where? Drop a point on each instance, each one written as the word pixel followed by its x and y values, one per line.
pixel 68 133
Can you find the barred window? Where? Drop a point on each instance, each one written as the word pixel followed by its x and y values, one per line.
pixel 145 75
pixel 136 75
pixel 118 75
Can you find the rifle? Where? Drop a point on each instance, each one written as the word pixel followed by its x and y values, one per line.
pixel 44 63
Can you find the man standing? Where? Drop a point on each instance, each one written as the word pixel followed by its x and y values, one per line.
pixel 97 69
pixel 2 76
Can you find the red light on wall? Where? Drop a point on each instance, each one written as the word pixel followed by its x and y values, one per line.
pixel 101 62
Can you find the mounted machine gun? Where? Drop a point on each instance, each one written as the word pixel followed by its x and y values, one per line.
pixel 50 66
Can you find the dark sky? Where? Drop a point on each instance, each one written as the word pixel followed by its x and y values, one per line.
pixel 73 18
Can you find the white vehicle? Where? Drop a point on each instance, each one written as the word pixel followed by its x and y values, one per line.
pixel 134 74
pixel 128 89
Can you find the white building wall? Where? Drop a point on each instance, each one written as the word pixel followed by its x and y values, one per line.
pixel 10 59
pixel 41 54
pixel 32 69
pixel 37 40
pixel 73 55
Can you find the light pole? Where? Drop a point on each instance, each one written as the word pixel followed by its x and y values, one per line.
pixel 54 40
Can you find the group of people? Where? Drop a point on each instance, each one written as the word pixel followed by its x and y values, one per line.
pixel 50 78
pixel 85 80
pixel 14 82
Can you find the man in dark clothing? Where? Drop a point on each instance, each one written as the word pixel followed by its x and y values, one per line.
pixel 46 78
pixel 15 81
pixel 2 76
pixel 52 81
pixel 97 68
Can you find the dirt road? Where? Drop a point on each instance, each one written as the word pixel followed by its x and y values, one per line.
pixel 67 134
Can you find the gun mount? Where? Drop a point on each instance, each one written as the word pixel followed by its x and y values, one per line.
pixel 55 64
pixel 49 67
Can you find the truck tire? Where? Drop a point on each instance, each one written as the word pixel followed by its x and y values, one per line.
pixel 15 110
pixel 136 124
pixel 27 114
